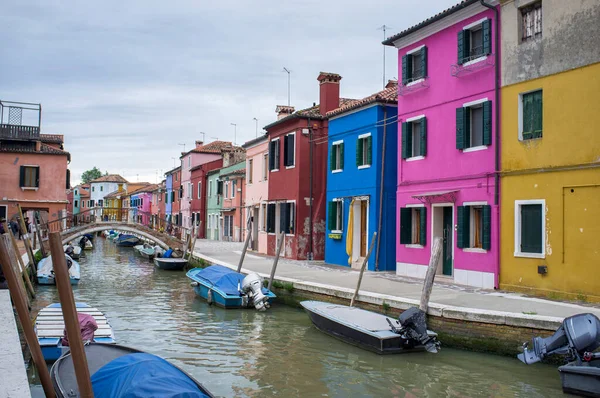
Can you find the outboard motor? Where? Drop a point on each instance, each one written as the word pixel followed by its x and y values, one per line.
pixel 577 337
pixel 252 286
pixel 69 251
pixel 413 327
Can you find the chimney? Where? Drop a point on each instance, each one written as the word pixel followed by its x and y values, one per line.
pixel 283 111
pixel 329 92
pixel 199 144
pixel 391 83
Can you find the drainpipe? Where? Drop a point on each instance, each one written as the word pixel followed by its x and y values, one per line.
pixel 310 194
pixel 381 189
pixel 497 133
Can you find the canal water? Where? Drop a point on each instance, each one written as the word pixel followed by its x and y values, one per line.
pixel 278 353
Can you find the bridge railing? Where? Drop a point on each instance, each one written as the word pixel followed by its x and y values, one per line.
pixel 97 215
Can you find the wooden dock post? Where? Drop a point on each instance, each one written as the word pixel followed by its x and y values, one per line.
pixel 362 269
pixel 279 246
pixel 23 267
pixel 436 251
pixel 23 314
pixel 67 304
pixel 248 237
pixel 26 240
pixel 38 231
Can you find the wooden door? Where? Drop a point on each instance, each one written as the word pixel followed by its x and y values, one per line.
pixel 363 228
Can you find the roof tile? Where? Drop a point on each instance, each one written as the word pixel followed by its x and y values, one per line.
pixel 388 95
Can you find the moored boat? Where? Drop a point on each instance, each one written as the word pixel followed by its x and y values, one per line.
pixel 372 331
pixel 49 328
pixel 119 371
pixel 127 240
pixel 229 289
pixel 170 264
pixel 45 271
pixel 73 251
pixel 148 252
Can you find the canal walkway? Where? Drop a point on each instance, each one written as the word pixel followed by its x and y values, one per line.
pixel 448 300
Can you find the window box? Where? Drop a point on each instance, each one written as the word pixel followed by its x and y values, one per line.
pixel 474 125
pixel 530 228
pixel 531 112
pixel 414 138
pixel 335 235
pixel 363 151
pixel 474 227
pixel 413 226
pixel 414 66
pixel 336 157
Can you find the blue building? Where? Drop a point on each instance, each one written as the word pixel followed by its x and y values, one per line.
pixel 169 196
pixel 361 200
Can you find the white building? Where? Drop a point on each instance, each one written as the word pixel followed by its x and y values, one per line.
pixel 100 187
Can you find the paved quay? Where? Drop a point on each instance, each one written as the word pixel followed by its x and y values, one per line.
pixel 446 300
pixel 13 377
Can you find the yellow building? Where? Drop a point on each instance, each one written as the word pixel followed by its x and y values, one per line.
pixel 550 148
pixel 113 204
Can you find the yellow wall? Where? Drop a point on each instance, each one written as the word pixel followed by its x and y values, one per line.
pixel 570 184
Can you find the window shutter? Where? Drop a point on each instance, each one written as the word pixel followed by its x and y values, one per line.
pixel 423 226
pixel 331 213
pixel 68 179
pixel 531 228
pixel 282 217
pixel 37 177
pixel 423 149
pixel 424 61
pixel 359 152
pixel 369 149
pixel 285 150
pixel 487 227
pixel 271 217
pixel 527 117
pixel 22 177
pixel 461 47
pixel 271 157
pixel 538 115
pixel 460 128
pixel 486 27
pixel 332 158
pixel 291 150
pixel 406 140
pixel 463 227
pixel 404 70
pixel 487 123
pixel 405 225
pixel 342 155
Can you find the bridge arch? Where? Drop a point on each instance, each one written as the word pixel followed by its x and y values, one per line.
pixel 72 234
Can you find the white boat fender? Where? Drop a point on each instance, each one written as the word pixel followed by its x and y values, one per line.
pixel 194 284
pixel 209 297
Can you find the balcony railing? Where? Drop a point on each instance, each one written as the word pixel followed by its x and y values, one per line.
pixel 16 132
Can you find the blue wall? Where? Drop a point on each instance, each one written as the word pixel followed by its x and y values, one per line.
pixel 169 189
pixel 365 182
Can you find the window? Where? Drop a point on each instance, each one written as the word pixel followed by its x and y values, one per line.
pixel 75 204
pixel 100 203
pixel 226 195
pixel 233 189
pixel 263 211
pixel 274 155
pixel 531 21
pixel 336 215
pixel 172 196
pixel 414 137
pixel 92 204
pixel 286 217
pixel 189 161
pixel 93 189
pixel 265 166
pixel 219 187
pixel 228 226
pixel 199 189
pixel 530 228
pixel 414 65
pixel 250 170
pixel 271 218
pixel 101 188
pixel 3 212
pixel 336 159
pixel 532 113
pixel 30 177
pixel 288 150
pixel 210 188
pixel 474 125
pixel 76 192
pixel 363 150
pixel 475 41
pixel 190 190
pixel 176 176
pixel 413 226
pixel 474 226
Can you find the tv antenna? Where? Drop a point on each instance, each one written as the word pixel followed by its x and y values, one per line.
pixel 289 76
pixel 384 28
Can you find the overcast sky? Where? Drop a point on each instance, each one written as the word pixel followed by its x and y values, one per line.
pixel 127 81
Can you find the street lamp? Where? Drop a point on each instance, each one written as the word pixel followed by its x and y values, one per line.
pixel 234 132
pixel 256 120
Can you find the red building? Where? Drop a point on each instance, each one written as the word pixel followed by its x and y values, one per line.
pixel 178 194
pixel 297 173
pixel 199 180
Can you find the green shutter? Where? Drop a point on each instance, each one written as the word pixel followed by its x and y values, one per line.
pixel 406 138
pixel 405 226
pixel 463 235
pixel 460 128
pixel 461 47
pixel 487 227
pixel 332 159
pixel 37 177
pixel 405 69
pixel 531 228
pixel 359 152
pixel 486 27
pixel 423 226
pixel 22 176
pixel 487 123
pixel 424 61
pixel 331 218
pixel 342 156
pixel 369 149
pixel 423 143
pixel 537 114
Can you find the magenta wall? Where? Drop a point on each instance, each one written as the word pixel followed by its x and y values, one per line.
pixel 445 167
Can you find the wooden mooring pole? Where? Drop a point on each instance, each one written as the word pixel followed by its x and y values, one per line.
pixel 279 246
pixel 26 240
pixel 362 269
pixel 23 314
pixel 430 276
pixel 67 304
pixel 24 272
pixel 38 231
pixel 248 237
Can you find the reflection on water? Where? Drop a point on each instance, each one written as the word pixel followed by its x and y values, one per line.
pixel 244 353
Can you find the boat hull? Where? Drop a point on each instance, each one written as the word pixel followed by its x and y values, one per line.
pixel 581 379
pixel 382 341
pixel 49 280
pixel 170 264
pixel 223 300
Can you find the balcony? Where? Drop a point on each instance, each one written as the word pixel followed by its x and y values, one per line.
pixel 20 120
pixel 15 132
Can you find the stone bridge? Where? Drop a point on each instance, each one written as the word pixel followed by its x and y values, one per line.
pixel 163 240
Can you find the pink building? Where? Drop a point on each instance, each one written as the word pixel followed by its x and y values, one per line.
pixel 141 201
pixel 257 190
pixel 447 180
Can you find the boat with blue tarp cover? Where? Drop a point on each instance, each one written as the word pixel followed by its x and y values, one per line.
pixel 229 289
pixel 49 328
pixel 127 240
pixel 118 372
